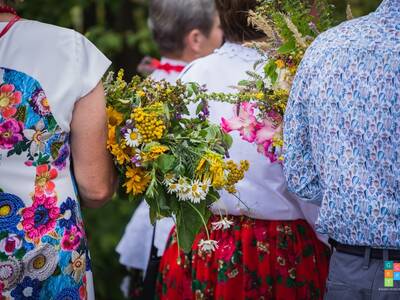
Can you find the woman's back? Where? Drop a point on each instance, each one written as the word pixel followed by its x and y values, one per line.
pixel 263 191
pixel 44 71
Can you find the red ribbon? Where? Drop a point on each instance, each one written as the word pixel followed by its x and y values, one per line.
pixel 167 67
pixel 10 10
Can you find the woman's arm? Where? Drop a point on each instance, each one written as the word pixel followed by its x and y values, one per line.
pixel 93 167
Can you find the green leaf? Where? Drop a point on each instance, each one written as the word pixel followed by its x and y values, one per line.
pixel 166 162
pixel 288 47
pixel 3 235
pixel 270 280
pixel 3 256
pixel 243 83
pixel 51 123
pixel 228 140
pixel 290 283
pixel 199 107
pixel 189 223
pixel 19 254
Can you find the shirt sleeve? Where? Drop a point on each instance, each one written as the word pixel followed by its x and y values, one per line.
pixel 299 169
pixel 91 65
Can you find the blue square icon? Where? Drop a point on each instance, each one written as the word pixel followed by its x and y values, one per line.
pixel 388 264
pixel 396 276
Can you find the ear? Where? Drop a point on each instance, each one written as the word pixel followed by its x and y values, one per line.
pixel 194 41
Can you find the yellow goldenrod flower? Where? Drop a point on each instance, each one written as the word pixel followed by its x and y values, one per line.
pixel 280 63
pixel 259 95
pixel 155 152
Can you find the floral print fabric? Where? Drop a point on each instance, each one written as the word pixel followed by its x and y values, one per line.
pixel 342 129
pixel 43 249
pixel 255 259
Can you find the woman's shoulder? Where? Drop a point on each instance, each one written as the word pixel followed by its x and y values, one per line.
pixel 36 29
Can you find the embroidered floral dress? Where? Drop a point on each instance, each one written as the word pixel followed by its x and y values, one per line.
pixel 44 70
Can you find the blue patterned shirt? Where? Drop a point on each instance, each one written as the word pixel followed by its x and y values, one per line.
pixel 342 129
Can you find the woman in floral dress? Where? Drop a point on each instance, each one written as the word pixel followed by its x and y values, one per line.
pixel 265 247
pixel 51 108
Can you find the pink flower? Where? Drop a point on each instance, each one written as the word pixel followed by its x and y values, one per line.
pixel 10 133
pixel 41 217
pixel 43 180
pixel 10 243
pixel 9 99
pixel 245 122
pixel 266 149
pixel 265 132
pixel 71 239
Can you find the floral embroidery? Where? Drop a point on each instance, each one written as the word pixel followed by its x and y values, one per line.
pixel 40 103
pixel 10 244
pixel 68 210
pixel 9 208
pixel 37 137
pixel 43 183
pixel 41 262
pixel 77 267
pixel 10 272
pixel 28 289
pixel 42 243
pixel 41 217
pixel 10 133
pixel 69 293
pixel 9 99
pixel 71 239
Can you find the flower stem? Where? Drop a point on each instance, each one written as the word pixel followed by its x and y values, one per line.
pixel 202 219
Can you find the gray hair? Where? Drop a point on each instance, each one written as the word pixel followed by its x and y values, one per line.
pixel 171 20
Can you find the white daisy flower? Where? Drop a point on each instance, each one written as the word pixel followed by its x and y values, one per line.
pixel 132 137
pixel 173 188
pixel 169 179
pixel 224 223
pixel 208 245
pixel 196 192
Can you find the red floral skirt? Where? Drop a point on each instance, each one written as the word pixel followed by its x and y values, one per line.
pixel 255 259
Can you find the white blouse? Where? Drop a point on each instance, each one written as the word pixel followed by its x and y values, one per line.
pixel 263 192
pixel 135 245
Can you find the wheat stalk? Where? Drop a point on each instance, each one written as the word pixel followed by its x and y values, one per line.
pixel 349 13
pixel 293 28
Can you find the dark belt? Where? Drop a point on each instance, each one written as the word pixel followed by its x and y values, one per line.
pixel 375 253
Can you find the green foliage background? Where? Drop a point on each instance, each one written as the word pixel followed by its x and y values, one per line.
pixel 119 29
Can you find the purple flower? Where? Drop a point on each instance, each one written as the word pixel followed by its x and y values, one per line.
pixel 40 103
pixel 10 133
pixel 63 154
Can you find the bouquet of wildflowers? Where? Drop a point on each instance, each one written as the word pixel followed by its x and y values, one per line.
pixel 171 160
pixel 290 27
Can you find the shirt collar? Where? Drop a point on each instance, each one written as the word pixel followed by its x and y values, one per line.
pixel 173 62
pixel 389 7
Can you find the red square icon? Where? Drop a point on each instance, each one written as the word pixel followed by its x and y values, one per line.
pixel 396 267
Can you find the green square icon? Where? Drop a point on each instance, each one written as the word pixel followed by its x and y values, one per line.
pixel 388 264
pixel 389 282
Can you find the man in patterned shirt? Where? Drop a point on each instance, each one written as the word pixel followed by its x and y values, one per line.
pixel 342 137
